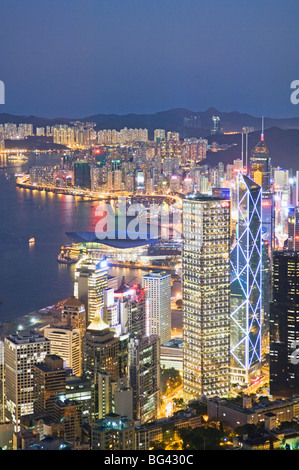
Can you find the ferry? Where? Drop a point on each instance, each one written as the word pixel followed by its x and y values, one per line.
pixel 17 158
pixel 31 241
pixel 66 260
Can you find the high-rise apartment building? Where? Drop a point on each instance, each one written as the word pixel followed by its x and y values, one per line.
pixel 206 296
pixel 22 351
pixel 246 282
pixel 158 304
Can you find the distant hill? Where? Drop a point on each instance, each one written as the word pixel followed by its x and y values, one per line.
pixel 170 120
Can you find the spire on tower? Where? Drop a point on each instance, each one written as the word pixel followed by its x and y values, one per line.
pixel 262 134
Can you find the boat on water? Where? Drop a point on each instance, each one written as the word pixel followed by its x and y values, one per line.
pixel 31 241
pixel 66 260
pixel 17 158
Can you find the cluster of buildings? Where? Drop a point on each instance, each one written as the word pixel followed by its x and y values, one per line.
pixel 92 376
pixel 93 379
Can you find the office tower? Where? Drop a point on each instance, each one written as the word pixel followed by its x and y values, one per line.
pixel 158 304
pixel 110 311
pixel 73 314
pixel 69 414
pixel 206 296
pixel 293 229
pixel 260 165
pixel 101 351
pixel 105 394
pixel 115 432
pixel 2 383
pixel 144 373
pixel 284 325
pixel 49 379
pixel 90 282
pixel 82 178
pixel 123 398
pixel 21 351
pixel 131 305
pixel 66 342
pixel 215 125
pixel 246 282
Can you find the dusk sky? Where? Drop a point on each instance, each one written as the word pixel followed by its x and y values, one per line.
pixel 75 58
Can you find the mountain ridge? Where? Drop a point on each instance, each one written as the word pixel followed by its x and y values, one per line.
pixel 172 119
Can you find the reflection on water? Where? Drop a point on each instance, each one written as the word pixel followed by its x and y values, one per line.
pixel 30 276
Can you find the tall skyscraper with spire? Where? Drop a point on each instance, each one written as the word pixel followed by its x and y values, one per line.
pixel 260 164
pixel 246 282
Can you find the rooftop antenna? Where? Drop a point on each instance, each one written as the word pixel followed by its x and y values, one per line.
pixel 247 151
pixel 242 152
pixel 262 135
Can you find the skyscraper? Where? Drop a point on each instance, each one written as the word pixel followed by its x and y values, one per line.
pixel 91 279
pixel 260 163
pixel 82 177
pixel 101 354
pixel 73 314
pixel 206 296
pixel 215 125
pixel 49 381
pixel 158 304
pixel 131 304
pixel 144 373
pixel 246 282
pixel 284 325
pixel 66 342
pixel 22 351
pixel 293 229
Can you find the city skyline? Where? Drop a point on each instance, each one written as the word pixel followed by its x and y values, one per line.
pixel 149 227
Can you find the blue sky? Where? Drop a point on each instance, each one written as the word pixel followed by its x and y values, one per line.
pixel 76 58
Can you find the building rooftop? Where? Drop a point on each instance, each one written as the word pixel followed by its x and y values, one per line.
pixel 72 302
pixel 27 336
pixel 202 197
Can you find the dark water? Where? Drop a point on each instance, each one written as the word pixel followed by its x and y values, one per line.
pixel 30 276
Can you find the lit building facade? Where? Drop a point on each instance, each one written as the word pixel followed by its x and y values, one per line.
pixel 22 351
pixel 144 373
pixel 158 304
pixel 246 282
pixel 66 342
pixel 206 296
pixel 91 279
pixel 284 325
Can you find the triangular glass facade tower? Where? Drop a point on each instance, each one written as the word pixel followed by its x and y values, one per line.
pixel 246 279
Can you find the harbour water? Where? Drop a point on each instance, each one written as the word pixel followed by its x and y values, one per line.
pixel 30 276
